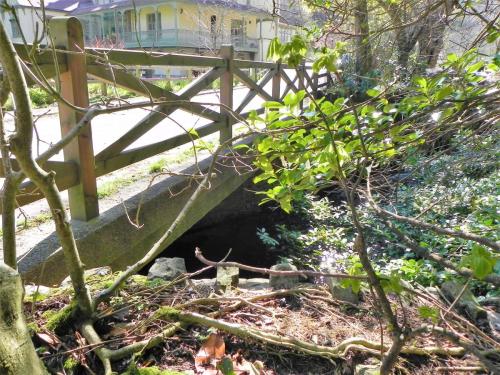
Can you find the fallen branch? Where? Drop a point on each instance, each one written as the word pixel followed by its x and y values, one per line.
pixel 267 271
pixel 338 351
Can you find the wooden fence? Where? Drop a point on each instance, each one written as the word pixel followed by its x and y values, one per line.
pixel 73 65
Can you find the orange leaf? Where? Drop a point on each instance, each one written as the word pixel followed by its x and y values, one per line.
pixel 213 348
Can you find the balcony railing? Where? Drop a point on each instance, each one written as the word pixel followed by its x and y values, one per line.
pixel 187 38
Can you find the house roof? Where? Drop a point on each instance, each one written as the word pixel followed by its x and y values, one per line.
pixel 87 6
pixel 56 5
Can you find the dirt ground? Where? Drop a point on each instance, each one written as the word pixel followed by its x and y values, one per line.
pixel 307 314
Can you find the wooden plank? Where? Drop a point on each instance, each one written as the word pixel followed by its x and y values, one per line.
pixel 59 167
pixel 200 83
pixel 158 114
pixel 259 111
pixel 48 71
pixel 315 82
pixel 126 80
pixel 252 93
pixel 258 88
pixel 226 94
pixel 42 56
pixel 247 64
pixel 301 76
pixel 276 85
pixel 135 155
pixel 290 84
pixel 66 177
pixel 68 34
pixel 149 58
pixel 308 80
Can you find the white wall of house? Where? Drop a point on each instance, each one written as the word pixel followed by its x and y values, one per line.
pixel 30 20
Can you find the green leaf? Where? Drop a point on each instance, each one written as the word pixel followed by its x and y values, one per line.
pixel 444 92
pixel 272 105
pixel 452 57
pixel 274 51
pixel 480 261
pixel 475 67
pixel 226 366
pixel 372 92
pixel 292 100
pixel 427 312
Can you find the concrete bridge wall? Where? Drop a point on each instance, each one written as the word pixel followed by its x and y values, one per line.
pixel 111 240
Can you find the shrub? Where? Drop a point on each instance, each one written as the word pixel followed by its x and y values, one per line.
pixel 40 98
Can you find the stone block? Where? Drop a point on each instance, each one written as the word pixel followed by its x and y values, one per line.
pixel 227 278
pixel 167 268
pixel 283 282
pixel 340 292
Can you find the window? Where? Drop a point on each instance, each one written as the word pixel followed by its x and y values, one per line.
pixel 213 24
pixel 16 32
pixel 128 25
pixel 153 21
pixel 150 21
pixel 237 27
pixel 158 20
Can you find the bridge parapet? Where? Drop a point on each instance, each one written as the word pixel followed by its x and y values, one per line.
pixel 72 64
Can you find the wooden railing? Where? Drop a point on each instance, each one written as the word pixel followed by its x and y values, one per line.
pixel 73 64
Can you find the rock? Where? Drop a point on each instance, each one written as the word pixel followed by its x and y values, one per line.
pixel 99 271
pixel 367 370
pixel 31 289
pixel 491 301
pixel 283 282
pixel 340 292
pixel 467 303
pixel 203 287
pixel 167 268
pixel 494 322
pixel 254 284
pixel 434 292
pixel 227 278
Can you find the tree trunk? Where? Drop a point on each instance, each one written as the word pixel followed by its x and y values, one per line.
pixel 405 47
pixel 17 353
pixel 431 40
pixel 364 60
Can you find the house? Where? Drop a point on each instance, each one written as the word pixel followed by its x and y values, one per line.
pixel 30 23
pixel 185 26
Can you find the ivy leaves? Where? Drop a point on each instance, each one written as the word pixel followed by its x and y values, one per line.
pixel 480 261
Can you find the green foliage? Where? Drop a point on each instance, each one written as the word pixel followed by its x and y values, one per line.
pixel 134 370
pixel 226 366
pixel 328 58
pixel 157 166
pixel 111 187
pixel 306 150
pixel 427 312
pixel 58 321
pixel 480 261
pixel 71 364
pixel 355 268
pixel 292 53
pixel 40 98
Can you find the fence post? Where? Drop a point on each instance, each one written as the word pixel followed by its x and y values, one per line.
pixel 315 83
pixel 301 80
pixel 68 35
pixel 276 83
pixel 226 93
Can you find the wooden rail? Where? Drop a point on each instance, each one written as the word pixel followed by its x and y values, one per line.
pixel 73 64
